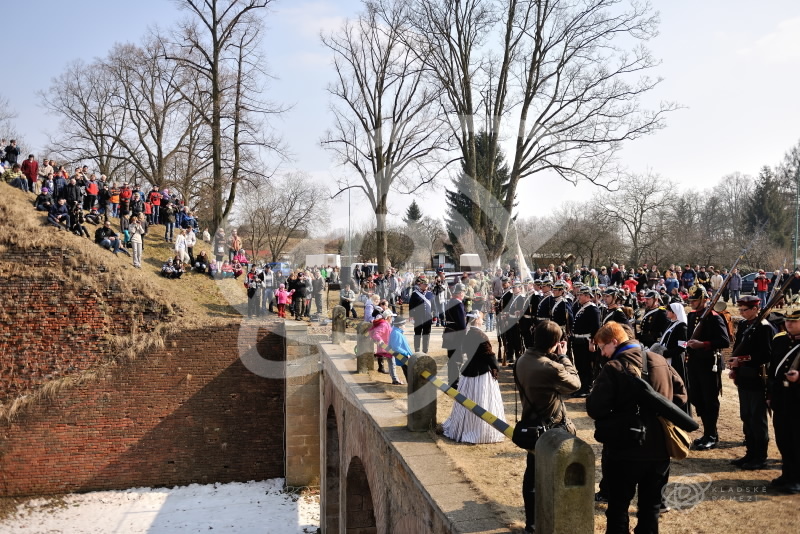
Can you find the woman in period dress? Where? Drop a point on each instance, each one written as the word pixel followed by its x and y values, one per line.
pixel 478 382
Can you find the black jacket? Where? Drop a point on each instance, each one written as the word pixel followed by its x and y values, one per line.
pixel 103 233
pixel 754 344
pixel 614 393
pixel 480 355
pixel 455 324
pixel 419 310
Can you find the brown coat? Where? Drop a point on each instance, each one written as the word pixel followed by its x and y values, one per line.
pixel 543 380
pixel 613 392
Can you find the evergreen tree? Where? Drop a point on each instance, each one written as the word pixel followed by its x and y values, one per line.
pixel 460 203
pixel 769 204
pixel 413 214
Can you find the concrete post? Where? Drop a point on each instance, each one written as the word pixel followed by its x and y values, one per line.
pixel 564 484
pixel 337 328
pixel 302 406
pixel 365 350
pixel 421 399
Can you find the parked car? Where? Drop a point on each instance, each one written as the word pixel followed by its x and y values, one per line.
pixel 280 266
pixel 748 283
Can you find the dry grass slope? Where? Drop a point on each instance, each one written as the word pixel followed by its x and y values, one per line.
pixel 154 305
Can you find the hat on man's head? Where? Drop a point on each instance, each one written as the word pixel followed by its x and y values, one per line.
pixel 546 281
pixel 585 290
pixel 421 280
pixel 748 300
pixel 697 293
pixel 459 288
pixel 560 285
pixel 651 294
pixel 793 315
pixel 610 291
pixel 398 320
pixel 505 279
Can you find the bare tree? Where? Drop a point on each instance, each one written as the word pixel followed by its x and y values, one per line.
pixel 217 46
pixel 430 233
pixel 158 122
pixel 277 214
pixel 638 207
pixel 83 96
pixel 384 128
pixel 581 73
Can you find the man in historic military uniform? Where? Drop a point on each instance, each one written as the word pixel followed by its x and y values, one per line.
pixel 587 323
pixel 543 312
pixel 704 365
pixel 529 309
pixel 502 304
pixel 614 311
pixel 783 390
pixel 421 310
pixel 752 351
pixel 560 309
pixel 455 326
pixel 514 311
pixel 654 320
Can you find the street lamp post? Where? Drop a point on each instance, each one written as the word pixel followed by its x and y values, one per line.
pixel 796 212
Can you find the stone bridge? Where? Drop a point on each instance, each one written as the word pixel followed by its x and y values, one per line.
pixel 375 476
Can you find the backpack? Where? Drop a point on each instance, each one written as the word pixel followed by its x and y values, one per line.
pixel 676 439
pixel 726 315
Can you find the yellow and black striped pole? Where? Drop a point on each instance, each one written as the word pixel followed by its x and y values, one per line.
pixel 460 398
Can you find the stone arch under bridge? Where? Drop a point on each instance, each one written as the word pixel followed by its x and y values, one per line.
pixel 375 475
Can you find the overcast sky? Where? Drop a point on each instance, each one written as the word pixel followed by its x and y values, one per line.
pixel 734 65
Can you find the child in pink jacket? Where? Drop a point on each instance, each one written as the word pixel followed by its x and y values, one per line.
pixel 381 330
pixel 283 297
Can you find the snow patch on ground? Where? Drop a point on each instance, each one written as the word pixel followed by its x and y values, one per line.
pixel 236 508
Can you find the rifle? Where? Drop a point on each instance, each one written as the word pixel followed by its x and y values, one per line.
pixel 718 293
pixel 774 299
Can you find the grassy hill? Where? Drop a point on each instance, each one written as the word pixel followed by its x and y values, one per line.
pixel 62 291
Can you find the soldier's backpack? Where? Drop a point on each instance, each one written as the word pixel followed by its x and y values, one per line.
pixel 726 315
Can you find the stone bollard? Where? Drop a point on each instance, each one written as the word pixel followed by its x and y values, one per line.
pixel 337 328
pixel 421 399
pixel 564 484
pixel 365 350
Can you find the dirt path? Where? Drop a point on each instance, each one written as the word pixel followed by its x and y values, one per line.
pixel 719 497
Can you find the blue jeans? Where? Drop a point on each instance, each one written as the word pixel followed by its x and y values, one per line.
pixel 110 244
pixel 115 209
pixel 168 230
pixel 763 296
pixel 735 293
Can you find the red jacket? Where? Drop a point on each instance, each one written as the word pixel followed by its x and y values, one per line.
pixel 762 283
pixel 155 198
pixel 30 169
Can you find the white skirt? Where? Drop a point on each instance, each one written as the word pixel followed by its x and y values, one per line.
pixel 465 426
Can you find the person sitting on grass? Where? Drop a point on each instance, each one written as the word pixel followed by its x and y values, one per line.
pixel 241 258
pixel 78 222
pixel 179 266
pixel 168 269
pixel 59 215
pixel 201 262
pixel 44 200
pixel 214 269
pixel 238 270
pixel 227 269
pixel 106 237
pixel 15 178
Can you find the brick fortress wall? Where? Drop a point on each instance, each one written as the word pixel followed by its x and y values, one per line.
pixel 51 327
pixel 188 413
